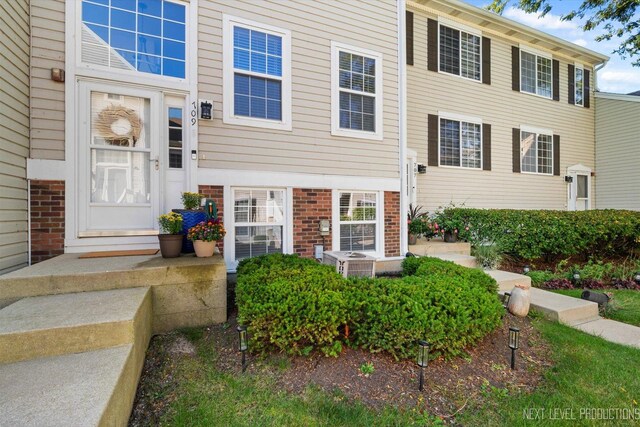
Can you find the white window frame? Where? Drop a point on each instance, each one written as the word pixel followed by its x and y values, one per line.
pixel 575 84
pixel 463 29
pixel 537 54
pixel 336 130
pixel 537 132
pixel 379 221
pixel 228 116
pixel 460 118
pixel 233 224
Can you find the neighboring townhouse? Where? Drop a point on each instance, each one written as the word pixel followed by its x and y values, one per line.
pixel 285 113
pixel 14 134
pixel 618 151
pixel 499 115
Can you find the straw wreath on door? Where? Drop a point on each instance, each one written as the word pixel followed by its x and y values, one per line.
pixel 119 125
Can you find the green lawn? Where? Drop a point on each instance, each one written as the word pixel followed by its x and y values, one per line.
pixel 625 306
pixel 588 373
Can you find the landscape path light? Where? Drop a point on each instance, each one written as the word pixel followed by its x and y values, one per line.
pixel 514 343
pixel 243 344
pixel 423 360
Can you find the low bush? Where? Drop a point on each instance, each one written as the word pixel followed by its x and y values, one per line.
pixel 534 234
pixel 539 277
pixel 294 305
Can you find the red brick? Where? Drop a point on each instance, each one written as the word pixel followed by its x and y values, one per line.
pixel 47 219
pixel 309 207
pixel 392 223
pixel 216 192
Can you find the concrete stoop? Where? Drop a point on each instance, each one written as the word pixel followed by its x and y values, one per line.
pixel 437 247
pixel 460 259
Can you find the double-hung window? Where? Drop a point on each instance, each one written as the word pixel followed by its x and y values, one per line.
pixel 356 92
pixel 536 148
pixel 460 142
pixel 579 86
pixel 257 74
pixel 358 221
pixel 536 74
pixel 460 52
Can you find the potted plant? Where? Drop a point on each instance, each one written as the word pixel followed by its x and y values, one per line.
pixel 204 236
pixel 447 224
pixel 170 236
pixel 191 214
pixel 416 223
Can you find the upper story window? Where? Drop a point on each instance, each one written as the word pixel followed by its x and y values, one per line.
pixel 147 36
pixel 536 74
pixel 579 86
pixel 460 52
pixel 536 151
pixel 460 143
pixel 257 74
pixel 356 92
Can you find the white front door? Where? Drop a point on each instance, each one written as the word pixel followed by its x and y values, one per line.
pixel 579 188
pixel 119 160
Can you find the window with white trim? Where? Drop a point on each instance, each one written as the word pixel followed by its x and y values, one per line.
pixel 460 53
pixel 579 86
pixel 257 74
pixel 535 74
pixel 258 222
pixel 536 152
pixel 460 143
pixel 356 92
pixel 358 221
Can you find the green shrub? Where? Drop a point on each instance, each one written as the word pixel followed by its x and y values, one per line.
pixel 539 277
pixel 488 255
pixel 534 234
pixel 428 266
pixel 410 265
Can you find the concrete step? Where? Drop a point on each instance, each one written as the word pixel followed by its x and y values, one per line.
pixel 93 388
pixel 610 330
pixel 463 260
pixel 507 280
pixel 437 246
pixel 51 325
pixel 564 309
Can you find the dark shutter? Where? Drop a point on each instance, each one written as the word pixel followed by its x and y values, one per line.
pixel 587 89
pixel 486 60
pixel 432 138
pixel 556 155
pixel 515 69
pixel 516 149
pixel 572 84
pixel 409 29
pixel 486 146
pixel 556 79
pixel 432 45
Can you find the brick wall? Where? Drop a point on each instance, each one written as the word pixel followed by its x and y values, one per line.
pixel 47 219
pixel 309 207
pixel 392 223
pixel 216 192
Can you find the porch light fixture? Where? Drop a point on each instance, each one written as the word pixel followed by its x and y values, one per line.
pixel 636 277
pixel 243 345
pixel 514 343
pixel 423 360
pixel 526 269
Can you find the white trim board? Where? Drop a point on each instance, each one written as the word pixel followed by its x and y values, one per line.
pixel 295 180
pixel 47 170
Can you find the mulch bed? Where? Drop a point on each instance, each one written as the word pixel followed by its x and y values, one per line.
pixel 449 384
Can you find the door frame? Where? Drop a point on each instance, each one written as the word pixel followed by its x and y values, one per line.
pixel 572 187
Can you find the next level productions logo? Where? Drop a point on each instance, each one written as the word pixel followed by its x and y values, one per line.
pixel 628 414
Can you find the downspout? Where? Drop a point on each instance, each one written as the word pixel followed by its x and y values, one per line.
pixel 29 151
pixel 597 68
pixel 402 118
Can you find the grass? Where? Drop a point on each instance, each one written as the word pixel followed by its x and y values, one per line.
pixel 588 373
pixel 625 306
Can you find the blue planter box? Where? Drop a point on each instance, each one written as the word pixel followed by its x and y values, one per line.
pixel 189 219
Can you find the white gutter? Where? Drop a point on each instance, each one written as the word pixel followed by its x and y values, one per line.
pixel 402 118
pixel 597 68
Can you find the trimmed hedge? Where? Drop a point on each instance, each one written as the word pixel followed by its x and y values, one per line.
pixel 534 234
pixel 293 305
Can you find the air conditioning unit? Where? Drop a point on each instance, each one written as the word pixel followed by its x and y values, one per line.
pixel 351 264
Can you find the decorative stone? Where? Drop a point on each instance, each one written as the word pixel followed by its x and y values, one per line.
pixel 519 302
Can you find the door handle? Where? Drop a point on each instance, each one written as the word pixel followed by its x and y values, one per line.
pixel 156 162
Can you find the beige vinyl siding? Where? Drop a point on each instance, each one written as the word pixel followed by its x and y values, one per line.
pixel 497 104
pixel 14 134
pixel 618 153
pixel 309 147
pixel 47 96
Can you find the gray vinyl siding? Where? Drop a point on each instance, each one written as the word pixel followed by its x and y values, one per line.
pixel 618 153
pixel 47 52
pixel 496 104
pixel 309 147
pixel 14 133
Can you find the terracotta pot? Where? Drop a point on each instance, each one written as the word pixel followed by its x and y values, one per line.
pixel 413 239
pixel 170 245
pixel 450 237
pixel 204 249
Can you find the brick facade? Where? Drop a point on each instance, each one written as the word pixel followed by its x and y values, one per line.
pixel 391 223
pixel 309 207
pixel 216 192
pixel 47 219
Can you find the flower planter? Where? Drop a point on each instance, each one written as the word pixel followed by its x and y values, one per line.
pixel 413 239
pixel 189 219
pixel 204 249
pixel 450 237
pixel 170 245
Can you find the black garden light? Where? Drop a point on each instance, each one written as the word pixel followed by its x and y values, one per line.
pixel 636 277
pixel 243 343
pixel 514 343
pixel 423 360
pixel 526 269
pixel 575 278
